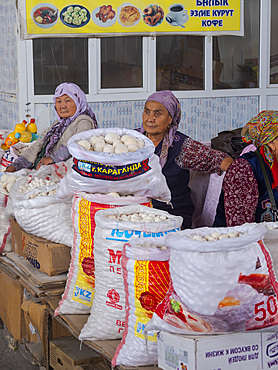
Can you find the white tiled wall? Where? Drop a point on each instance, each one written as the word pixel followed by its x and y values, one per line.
pixel 8 64
pixel 201 118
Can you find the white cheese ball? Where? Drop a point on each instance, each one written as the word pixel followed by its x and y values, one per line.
pixel 94 139
pixel 117 142
pixel 110 137
pixel 140 143
pixel 132 148
pixel 114 194
pixel 121 148
pixel 108 148
pixel 85 144
pixel 99 145
pixel 125 137
pixel 130 141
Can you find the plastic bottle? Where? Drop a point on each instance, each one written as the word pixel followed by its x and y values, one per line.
pixel 26 136
pixel 9 141
pixel 20 127
pixel 32 127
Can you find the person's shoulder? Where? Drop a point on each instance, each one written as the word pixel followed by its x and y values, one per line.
pixel 179 137
pixel 83 117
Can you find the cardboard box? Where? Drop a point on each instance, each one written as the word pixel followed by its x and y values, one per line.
pixel 249 351
pixel 11 295
pixel 65 353
pixel 49 257
pixel 35 317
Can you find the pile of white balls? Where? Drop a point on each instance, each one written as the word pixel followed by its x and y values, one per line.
pixel 34 183
pixel 6 183
pixel 216 236
pixel 138 217
pixel 112 143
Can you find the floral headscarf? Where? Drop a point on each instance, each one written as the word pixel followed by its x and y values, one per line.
pixel 261 130
pixel 82 107
pixel 171 103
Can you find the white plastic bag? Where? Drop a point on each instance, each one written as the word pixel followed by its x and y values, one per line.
pixel 226 285
pixel 38 211
pixel 107 315
pixel 145 265
pixel 79 292
pixel 98 172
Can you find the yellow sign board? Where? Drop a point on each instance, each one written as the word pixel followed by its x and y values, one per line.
pixel 98 18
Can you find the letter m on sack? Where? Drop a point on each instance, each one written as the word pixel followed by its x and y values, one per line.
pixel 114 257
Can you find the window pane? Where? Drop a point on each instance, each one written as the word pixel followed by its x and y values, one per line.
pixel 60 60
pixel 274 44
pixel 121 62
pixel 236 58
pixel 179 62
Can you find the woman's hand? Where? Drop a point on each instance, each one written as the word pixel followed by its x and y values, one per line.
pixel 10 168
pixel 44 161
pixel 226 163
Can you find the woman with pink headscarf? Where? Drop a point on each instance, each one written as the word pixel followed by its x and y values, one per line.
pixel 177 152
pixel 73 115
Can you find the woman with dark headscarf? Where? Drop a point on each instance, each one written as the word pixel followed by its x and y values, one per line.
pixel 177 152
pixel 244 196
pixel 73 115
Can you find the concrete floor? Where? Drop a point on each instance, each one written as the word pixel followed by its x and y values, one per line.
pixel 12 355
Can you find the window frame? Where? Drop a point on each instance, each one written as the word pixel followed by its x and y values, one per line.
pixel 96 94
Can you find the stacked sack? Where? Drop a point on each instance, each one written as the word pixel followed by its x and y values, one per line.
pixel 222 280
pixel 79 292
pixel 145 265
pixel 114 228
pixel 114 160
pixel 7 180
pixel 36 208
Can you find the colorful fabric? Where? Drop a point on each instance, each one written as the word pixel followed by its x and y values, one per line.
pixel 245 197
pixel 82 107
pixel 261 130
pixel 199 157
pixel 172 104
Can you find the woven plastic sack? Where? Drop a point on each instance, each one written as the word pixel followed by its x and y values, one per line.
pixel 5 227
pixel 271 242
pixel 99 172
pixel 79 292
pixel 145 265
pixel 38 211
pixel 220 286
pixel 107 315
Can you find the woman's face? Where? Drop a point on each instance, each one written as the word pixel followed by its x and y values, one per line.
pixel 65 106
pixel 274 147
pixel 156 118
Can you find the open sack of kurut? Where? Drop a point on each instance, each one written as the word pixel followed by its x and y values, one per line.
pixel 115 227
pixel 36 208
pixel 6 182
pixel 145 265
pixel 115 159
pixel 79 292
pixel 222 280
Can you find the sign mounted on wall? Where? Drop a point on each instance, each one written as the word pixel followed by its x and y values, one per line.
pixel 89 18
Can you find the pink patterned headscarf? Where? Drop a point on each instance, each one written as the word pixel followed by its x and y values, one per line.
pixel 171 103
pixel 82 107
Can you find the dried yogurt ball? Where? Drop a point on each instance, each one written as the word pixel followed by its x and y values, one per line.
pixel 94 139
pixel 108 148
pixel 121 148
pixel 85 144
pixel 114 194
pixel 99 145
pixel 130 141
pixel 110 137
pixel 140 143
pixel 117 142
pixel 125 137
pixel 132 148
